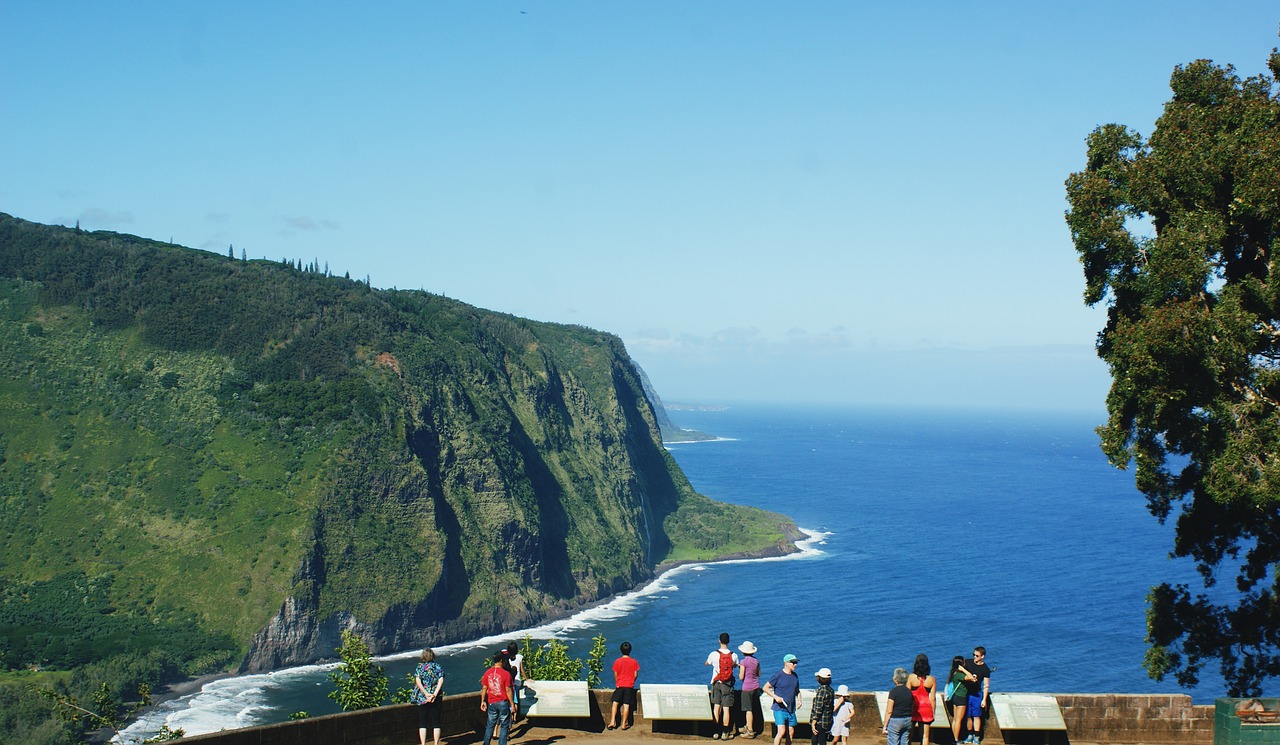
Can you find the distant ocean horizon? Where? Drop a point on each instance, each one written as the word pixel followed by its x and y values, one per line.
pixel 931 531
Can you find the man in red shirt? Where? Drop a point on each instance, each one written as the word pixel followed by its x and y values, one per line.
pixel 496 698
pixel 625 669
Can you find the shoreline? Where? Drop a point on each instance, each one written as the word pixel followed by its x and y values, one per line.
pixel 784 549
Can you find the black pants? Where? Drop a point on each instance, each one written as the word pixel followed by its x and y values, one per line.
pixel 821 736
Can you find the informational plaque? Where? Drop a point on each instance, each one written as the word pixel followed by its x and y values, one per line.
pixel 882 701
pixel 555 698
pixel 675 701
pixel 1027 711
pixel 806 704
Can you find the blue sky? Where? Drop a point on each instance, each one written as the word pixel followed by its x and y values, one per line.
pixel 830 202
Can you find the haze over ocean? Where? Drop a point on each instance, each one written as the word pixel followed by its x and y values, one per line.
pixel 936 531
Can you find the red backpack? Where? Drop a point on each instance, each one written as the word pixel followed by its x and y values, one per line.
pixel 725 672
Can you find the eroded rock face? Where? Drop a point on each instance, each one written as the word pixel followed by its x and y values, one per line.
pixel 480 527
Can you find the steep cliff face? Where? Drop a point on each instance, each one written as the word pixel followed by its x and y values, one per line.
pixel 272 455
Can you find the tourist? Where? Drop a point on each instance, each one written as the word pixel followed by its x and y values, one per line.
pixel 749 696
pixel 428 687
pixel 625 670
pixel 784 690
pixel 922 685
pixel 956 695
pixel 517 677
pixel 844 713
pixel 897 713
pixel 820 713
pixel 496 698
pixel 979 693
pixel 722 662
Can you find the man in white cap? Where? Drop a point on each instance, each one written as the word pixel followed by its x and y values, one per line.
pixel 822 709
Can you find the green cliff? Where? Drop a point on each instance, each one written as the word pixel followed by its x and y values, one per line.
pixel 227 462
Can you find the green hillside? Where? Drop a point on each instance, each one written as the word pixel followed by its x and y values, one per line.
pixel 222 463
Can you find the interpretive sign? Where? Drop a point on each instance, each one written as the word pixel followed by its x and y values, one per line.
pixel 674 701
pixel 555 698
pixel 806 704
pixel 1027 711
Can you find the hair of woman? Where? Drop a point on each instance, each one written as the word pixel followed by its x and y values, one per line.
pixel 921 668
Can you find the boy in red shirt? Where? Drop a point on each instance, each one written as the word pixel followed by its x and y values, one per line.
pixel 625 669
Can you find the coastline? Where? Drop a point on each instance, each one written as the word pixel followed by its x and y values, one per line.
pixel 788 547
pixel 791 547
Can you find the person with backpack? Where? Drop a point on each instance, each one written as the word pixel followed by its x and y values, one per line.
pixel 722 663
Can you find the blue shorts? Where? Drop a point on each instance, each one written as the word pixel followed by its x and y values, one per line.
pixel 783 718
pixel 975 705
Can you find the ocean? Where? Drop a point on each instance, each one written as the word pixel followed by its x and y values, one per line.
pixel 930 532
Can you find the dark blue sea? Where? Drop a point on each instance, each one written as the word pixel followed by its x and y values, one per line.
pixel 933 532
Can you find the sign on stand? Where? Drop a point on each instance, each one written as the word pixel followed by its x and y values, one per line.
pixel 555 698
pixel 675 701
pixel 1027 711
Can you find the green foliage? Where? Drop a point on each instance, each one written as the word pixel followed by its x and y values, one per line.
pixel 549 661
pixel 358 683
pixel 300 715
pixel 404 693
pixel 70 620
pixel 1178 235
pixel 104 711
pixel 595 661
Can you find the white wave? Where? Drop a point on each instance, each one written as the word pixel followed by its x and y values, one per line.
pixel 232 703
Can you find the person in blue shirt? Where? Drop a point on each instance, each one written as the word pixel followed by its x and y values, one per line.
pixel 784 690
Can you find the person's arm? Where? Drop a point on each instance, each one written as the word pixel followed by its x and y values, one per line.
pixel 986 690
pixel 742 671
pixel 888 710
pixel 439 687
pixel 484 696
pixel 768 691
pixel 511 695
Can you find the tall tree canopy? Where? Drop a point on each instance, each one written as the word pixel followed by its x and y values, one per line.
pixel 1179 235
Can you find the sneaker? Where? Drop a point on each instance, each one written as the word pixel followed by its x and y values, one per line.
pixel 716 736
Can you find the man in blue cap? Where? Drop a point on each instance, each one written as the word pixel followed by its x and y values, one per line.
pixel 784 689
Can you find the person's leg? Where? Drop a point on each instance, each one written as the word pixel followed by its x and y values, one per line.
pixel 924 735
pixel 899 731
pixel 626 716
pixel 434 712
pixel 504 722
pixel 613 716
pixel 779 726
pixel 957 721
pixel 975 718
pixel 490 721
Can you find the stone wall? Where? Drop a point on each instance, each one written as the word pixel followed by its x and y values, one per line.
pixel 1104 718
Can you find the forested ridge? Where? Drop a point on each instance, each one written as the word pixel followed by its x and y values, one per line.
pixel 210 463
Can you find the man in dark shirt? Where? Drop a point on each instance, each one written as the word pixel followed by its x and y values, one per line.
pixel 979 693
pixel 822 709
